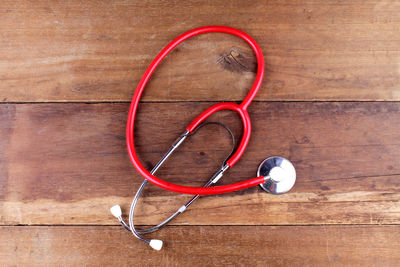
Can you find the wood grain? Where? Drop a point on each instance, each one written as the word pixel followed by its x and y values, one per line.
pixel 215 246
pixel 67 163
pixel 98 50
pixel 63 164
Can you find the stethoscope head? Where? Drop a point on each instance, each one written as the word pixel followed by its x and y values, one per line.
pixel 280 175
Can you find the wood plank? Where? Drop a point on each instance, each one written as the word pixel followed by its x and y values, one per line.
pixel 67 163
pixel 97 51
pixel 215 246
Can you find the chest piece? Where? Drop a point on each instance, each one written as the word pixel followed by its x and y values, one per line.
pixel 280 175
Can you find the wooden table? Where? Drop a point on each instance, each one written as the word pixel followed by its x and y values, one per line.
pixel 329 103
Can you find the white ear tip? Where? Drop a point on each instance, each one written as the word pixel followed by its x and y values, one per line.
pixel 156 244
pixel 116 211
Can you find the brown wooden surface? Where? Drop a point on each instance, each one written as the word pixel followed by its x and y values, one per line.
pixel 62 165
pixel 214 246
pixel 98 50
pixel 63 158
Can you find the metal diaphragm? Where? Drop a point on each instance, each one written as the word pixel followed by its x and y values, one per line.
pixel 280 175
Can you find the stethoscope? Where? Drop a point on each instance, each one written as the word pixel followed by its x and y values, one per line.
pixel 275 175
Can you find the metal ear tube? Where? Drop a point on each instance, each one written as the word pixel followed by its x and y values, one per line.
pixel 155 243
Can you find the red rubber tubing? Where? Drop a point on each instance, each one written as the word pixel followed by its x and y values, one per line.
pixel 246 126
pixel 241 109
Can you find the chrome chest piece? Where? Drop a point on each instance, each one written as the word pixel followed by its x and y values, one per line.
pixel 279 174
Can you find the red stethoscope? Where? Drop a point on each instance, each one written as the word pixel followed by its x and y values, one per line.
pixel 275 175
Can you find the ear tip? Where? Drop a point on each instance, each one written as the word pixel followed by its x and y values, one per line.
pixel 156 244
pixel 116 211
